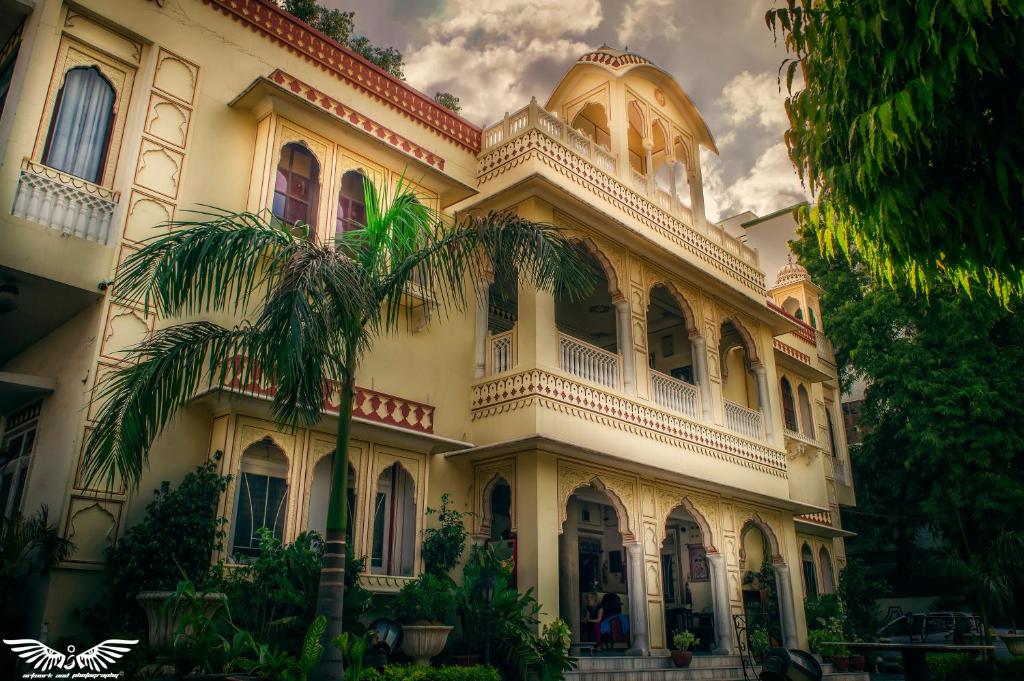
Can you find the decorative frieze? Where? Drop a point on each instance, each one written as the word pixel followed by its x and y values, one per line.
pixel 540 388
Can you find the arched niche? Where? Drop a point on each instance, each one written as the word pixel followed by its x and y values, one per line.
pixel 615 501
pixel 592 121
pixel 500 486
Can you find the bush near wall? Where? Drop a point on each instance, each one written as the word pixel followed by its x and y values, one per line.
pixel 967 668
pixel 420 673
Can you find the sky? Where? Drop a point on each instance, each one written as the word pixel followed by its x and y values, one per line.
pixel 495 54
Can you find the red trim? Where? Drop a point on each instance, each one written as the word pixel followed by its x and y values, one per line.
pixel 791 351
pixel 806 331
pixel 278 25
pixel 349 115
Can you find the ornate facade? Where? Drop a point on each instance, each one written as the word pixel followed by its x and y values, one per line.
pixel 663 440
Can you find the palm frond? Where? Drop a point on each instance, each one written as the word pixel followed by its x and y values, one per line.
pixel 216 261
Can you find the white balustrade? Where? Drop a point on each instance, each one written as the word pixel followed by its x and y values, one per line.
pixel 605 160
pixel 663 199
pixel 744 421
pixel 501 352
pixel 589 362
pixel 63 202
pixel 638 178
pixel 674 394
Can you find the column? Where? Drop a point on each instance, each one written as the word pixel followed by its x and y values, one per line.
pixel 721 605
pixel 624 341
pixel 673 169
pixel 569 573
pixel 637 587
pixel 480 327
pixel 784 586
pixel 648 149
pixel 537 529
pixel 700 364
pixel 696 197
pixel 764 400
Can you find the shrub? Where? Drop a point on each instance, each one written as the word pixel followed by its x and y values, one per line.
pixel 858 592
pixel 426 598
pixel 173 542
pixel 443 546
pixel 420 673
pixel 685 640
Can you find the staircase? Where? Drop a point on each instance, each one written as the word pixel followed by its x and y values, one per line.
pixel 703 668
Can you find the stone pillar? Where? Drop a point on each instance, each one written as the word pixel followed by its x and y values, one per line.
pixel 673 169
pixel 480 327
pixel 537 529
pixel 569 573
pixel 637 587
pixel 624 341
pixel 721 605
pixel 648 153
pixel 784 586
pixel 696 197
pixel 700 365
pixel 764 400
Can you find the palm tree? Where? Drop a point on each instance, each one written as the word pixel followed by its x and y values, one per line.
pixel 309 312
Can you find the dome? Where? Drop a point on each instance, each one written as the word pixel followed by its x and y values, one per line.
pixel 791 273
pixel 612 58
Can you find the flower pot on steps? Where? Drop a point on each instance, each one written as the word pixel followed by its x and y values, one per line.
pixel 423 641
pixel 682 658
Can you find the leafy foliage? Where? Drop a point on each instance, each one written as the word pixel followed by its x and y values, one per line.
pixel 962 667
pixel 421 673
pixel 902 127
pixel 173 541
pixel 340 26
pixel 858 592
pixel 353 649
pixel 553 651
pixel 684 640
pixel 942 420
pixel 357 599
pixel 448 101
pixel 443 546
pixel 428 598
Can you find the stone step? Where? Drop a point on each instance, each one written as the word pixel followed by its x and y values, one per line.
pixel 618 663
pixel 723 673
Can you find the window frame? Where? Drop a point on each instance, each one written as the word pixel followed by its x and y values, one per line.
pixel 263 469
pixel 17 469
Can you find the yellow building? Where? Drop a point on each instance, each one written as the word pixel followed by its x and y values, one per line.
pixel 660 440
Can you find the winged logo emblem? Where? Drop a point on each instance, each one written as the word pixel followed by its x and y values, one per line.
pixel 43 658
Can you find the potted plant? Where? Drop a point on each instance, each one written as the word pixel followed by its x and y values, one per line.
pixel 1014 642
pixel 857 660
pixel 422 606
pixel 841 658
pixel 759 642
pixel 683 641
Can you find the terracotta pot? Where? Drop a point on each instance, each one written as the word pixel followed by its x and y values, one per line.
pixel 164 622
pixel 423 641
pixel 682 658
pixel 856 663
pixel 842 663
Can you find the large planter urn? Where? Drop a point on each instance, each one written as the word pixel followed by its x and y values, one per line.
pixel 1014 643
pixel 164 622
pixel 423 641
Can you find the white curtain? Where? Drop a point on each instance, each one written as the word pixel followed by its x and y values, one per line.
pixel 81 124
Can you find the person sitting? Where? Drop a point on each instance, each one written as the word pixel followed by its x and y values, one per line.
pixel 609 612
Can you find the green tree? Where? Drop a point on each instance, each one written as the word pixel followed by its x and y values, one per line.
pixel 388 58
pixel 309 312
pixel 905 123
pixel 448 101
pixel 942 419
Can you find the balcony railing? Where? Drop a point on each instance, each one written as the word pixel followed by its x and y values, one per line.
pixel 744 421
pixel 501 352
pixel 674 394
pixel 807 439
pixel 64 202
pixel 588 362
pixel 618 183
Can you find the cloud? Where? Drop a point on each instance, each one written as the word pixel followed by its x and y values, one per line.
pixel 754 98
pixel 646 20
pixel 497 54
pixel 769 185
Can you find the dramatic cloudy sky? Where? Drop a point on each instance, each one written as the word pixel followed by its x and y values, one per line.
pixel 495 54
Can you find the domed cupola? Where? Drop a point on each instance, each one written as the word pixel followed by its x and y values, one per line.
pixel 612 58
pixel 791 273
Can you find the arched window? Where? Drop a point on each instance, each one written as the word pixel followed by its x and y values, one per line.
pixel 351 203
pixel 788 405
pixel 81 124
pixel 393 536
pixel 262 497
pixel 814 319
pixel 810 580
pixel 827 577
pixel 805 411
pixel 320 494
pixel 297 185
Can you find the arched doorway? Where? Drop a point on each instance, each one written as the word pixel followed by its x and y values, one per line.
pixel 262 498
pixel 828 578
pixel 690 586
pixel 393 523
pixel 594 571
pixel 744 383
pixel 767 590
pixel 496 530
pixel 675 352
pixel 319 498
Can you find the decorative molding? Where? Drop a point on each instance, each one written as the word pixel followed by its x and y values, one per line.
pixel 792 352
pixel 702 509
pixel 804 331
pixel 276 24
pixel 619 490
pixel 820 518
pixel 536 387
pixel 336 109
pixel 534 144
pixel 389 584
pixel 614 61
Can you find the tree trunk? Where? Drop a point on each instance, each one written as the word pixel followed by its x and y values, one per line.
pixel 331 594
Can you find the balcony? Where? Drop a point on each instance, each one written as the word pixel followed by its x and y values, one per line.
pixel 501 349
pixel 63 202
pixel 533 132
pixel 674 394
pixel 744 421
pixel 589 362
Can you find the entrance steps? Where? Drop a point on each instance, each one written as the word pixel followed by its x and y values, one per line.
pixel 702 668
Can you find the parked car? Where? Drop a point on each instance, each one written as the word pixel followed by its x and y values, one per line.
pixel 929 627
